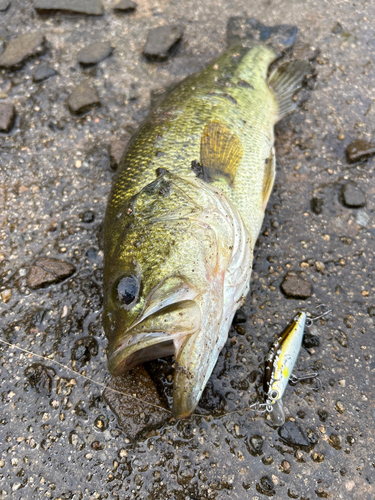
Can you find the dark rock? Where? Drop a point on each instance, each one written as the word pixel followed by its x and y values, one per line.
pixel 88 217
pixel 161 42
pixel 293 435
pixel 125 6
pixel 239 317
pixel 371 311
pixel 40 377
pixel 82 99
pixel 4 5
pixel 359 150
pixel 337 29
pixel 352 197
pixel 241 29
pixel 134 414
pixel 316 205
pixel 83 350
pixel 43 72
pixel 301 414
pixel 255 445
pixel 88 7
pixel 6 116
pixel 323 415
pixel 335 441
pixel 295 287
pixel 292 493
pixel 46 271
pixel 21 48
pixel 116 152
pixel 266 486
pixel 310 341
pixel 94 53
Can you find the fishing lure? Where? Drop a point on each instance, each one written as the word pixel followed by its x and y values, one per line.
pixel 279 364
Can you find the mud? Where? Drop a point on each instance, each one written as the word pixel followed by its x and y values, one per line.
pixel 58 436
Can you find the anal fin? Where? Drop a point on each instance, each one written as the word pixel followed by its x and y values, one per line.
pixel 269 177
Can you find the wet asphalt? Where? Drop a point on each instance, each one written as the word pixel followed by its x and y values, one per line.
pixel 59 437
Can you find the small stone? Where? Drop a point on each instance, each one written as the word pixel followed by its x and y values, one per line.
pixel 285 466
pixel 255 445
pixel 299 456
pixel 352 197
pixel 161 42
pixel 293 435
pixel 335 441
pixel 4 5
pixel 350 439
pixel 292 493
pixel 94 53
pixel 340 407
pixel 267 460
pixel 6 295
pixel 40 377
pixel 46 271
pixel 371 311
pixel 88 217
pixel 239 317
pixel 21 48
pixel 320 266
pixel 43 72
pixel 134 414
pixel 323 415
pixel 359 150
pixel 295 287
pixel 82 99
pixel 83 350
pixel 88 7
pixel 6 116
pixel 125 6
pixel 337 29
pixel 116 152
pixel 318 457
pixel 310 341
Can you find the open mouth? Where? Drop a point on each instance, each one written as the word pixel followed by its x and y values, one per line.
pixel 156 334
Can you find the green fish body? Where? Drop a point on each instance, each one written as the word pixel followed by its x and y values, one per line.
pixel 184 214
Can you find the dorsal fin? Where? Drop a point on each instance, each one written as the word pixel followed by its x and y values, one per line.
pixel 269 177
pixel 285 81
pixel 221 151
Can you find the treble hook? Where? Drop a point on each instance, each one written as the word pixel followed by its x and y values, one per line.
pixel 310 321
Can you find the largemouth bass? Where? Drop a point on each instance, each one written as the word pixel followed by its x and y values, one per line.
pixel 184 214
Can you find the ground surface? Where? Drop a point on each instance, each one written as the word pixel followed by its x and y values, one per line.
pixel 58 437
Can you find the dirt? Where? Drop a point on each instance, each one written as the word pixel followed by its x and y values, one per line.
pixel 58 436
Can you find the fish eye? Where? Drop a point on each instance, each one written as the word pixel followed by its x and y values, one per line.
pixel 274 394
pixel 128 290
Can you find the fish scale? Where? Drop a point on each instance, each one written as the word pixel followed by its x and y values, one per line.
pixel 184 213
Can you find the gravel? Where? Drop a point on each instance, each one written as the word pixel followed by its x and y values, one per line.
pixel 82 99
pixel 46 271
pixel 162 42
pixel 94 53
pixel 22 48
pixel 88 7
pixel 7 114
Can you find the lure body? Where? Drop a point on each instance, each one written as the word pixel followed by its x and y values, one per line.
pixel 280 361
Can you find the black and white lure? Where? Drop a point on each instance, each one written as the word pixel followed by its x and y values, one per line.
pixel 279 364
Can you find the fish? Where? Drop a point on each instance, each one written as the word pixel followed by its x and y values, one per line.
pixel 185 211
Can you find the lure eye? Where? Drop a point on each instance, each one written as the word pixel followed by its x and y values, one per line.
pixel 274 394
pixel 128 290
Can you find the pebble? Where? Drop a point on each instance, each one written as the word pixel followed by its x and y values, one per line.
pixel 292 493
pixel 310 341
pixel 6 295
pixel 83 350
pixel 295 287
pixel 323 415
pixel 320 267
pixel 267 460
pixel 40 377
pixel 335 441
pixel 359 150
pixel 239 317
pixel 43 72
pixel 340 407
pixel 88 7
pixel 4 5
pixel 21 48
pixel 88 217
pixel 285 466
pixel 352 196
pixel 82 99
pixel 318 457
pixel 161 42
pixel 255 445
pixel 337 29
pixel 6 116
pixel 293 435
pixel 46 271
pixel 125 6
pixel 134 415
pixel 371 311
pixel 116 152
pixel 94 53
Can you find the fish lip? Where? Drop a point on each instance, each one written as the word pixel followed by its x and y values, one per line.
pixel 121 356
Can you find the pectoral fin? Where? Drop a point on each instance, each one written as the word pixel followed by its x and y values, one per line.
pixel 221 151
